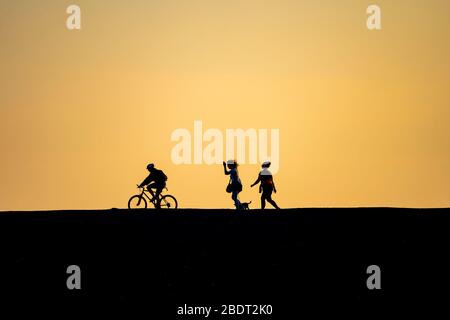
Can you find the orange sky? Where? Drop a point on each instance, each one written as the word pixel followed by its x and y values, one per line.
pixel 363 115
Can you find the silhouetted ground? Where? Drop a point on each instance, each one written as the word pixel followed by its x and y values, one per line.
pixel 295 260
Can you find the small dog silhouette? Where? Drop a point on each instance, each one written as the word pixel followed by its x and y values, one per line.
pixel 245 205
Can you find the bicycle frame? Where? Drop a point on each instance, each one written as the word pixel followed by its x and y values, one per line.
pixel 162 201
pixel 146 193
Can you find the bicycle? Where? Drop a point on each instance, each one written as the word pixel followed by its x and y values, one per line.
pixel 139 201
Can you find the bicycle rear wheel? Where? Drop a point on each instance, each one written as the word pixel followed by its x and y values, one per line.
pixel 137 202
pixel 168 202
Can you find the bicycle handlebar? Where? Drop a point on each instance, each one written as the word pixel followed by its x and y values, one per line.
pixel 144 187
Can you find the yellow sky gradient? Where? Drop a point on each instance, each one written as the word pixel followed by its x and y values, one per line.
pixel 363 115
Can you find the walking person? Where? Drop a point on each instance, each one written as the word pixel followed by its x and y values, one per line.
pixel 266 185
pixel 234 185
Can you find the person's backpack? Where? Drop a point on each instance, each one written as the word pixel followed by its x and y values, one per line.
pixel 160 175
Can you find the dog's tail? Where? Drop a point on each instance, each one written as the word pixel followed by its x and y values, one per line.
pixel 250 202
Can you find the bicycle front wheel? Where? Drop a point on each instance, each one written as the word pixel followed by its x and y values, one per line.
pixel 168 202
pixel 137 202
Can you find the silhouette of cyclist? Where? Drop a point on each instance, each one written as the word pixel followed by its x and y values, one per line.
pixel 155 180
pixel 267 185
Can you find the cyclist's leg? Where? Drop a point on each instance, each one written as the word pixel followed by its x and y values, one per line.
pixel 149 188
pixel 159 188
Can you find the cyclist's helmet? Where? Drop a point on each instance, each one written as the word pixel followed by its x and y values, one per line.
pixel 150 166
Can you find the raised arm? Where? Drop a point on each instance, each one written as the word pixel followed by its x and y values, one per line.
pixel 225 168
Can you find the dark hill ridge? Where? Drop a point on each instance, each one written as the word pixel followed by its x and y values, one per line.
pixel 157 260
